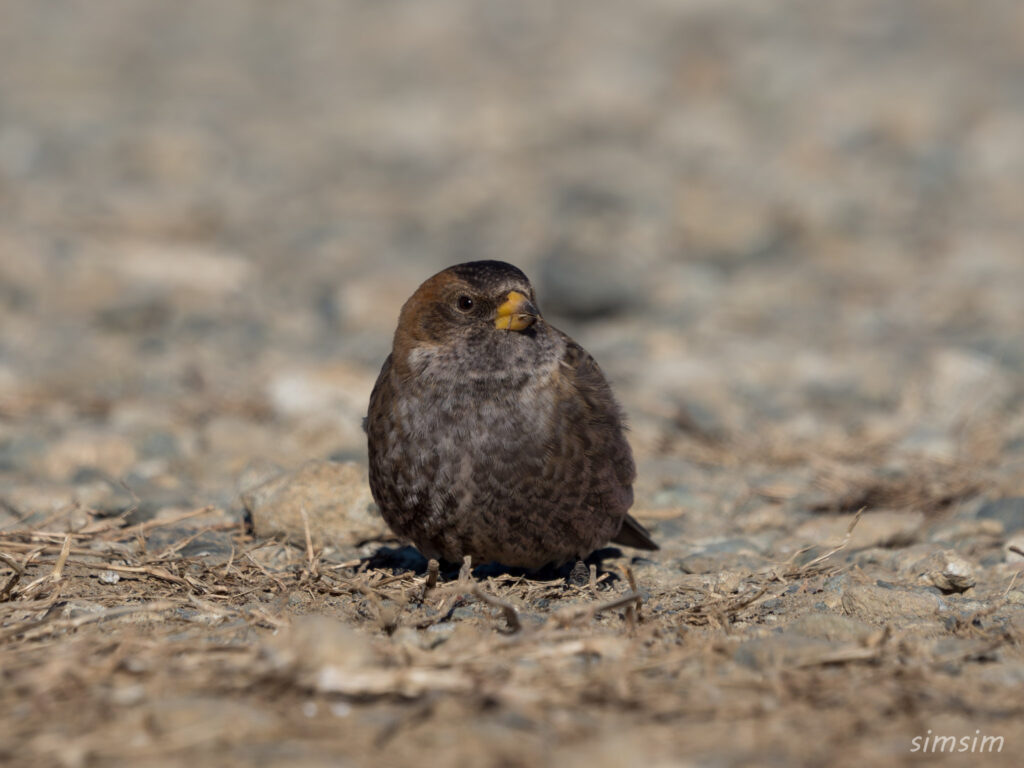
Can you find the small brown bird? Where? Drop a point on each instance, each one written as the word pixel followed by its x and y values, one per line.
pixel 493 434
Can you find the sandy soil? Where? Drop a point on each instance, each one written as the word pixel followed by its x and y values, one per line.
pixel 791 235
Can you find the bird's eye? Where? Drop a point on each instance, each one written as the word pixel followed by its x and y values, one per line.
pixel 464 303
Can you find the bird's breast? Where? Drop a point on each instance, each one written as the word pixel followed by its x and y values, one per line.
pixel 472 410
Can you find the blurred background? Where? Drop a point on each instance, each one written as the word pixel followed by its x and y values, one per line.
pixel 789 232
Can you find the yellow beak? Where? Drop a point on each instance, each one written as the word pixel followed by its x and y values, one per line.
pixel 516 314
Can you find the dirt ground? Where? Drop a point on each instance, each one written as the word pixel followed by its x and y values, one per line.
pixel 790 233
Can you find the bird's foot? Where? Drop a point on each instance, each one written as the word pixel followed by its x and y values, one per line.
pixel 580 575
pixel 466 571
pixel 433 569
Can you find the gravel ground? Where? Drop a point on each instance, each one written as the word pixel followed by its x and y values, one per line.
pixel 791 234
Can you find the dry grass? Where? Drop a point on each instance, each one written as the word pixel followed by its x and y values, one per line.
pixel 113 654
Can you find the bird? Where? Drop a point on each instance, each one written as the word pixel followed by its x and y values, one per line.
pixel 493 435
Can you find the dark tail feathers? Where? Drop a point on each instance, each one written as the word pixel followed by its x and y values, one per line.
pixel 632 534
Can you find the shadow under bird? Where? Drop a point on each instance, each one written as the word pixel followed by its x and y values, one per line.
pixel 493 434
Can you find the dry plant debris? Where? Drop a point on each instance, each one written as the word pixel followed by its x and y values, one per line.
pixel 105 635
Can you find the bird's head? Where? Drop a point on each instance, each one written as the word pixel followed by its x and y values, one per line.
pixel 470 314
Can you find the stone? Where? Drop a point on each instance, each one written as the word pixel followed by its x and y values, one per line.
pixel 101 494
pixel 8 519
pixel 905 560
pixel 159 444
pixel 77 609
pixel 20 451
pixel 964 384
pixel 946 570
pixel 956 532
pixel 145 315
pixel 304 391
pixel 167 266
pixel 204 719
pixel 335 497
pixel 314 643
pixel 1009 511
pixel 205 535
pixel 577 286
pixel 109 453
pixel 323 654
pixel 780 651
pixel 1013 550
pixel 426 639
pixel 765 517
pixel 830 626
pixel 152 502
pixel 42 500
pixel 256 473
pixel 214 547
pixel 725 555
pixel 720 561
pixel 930 442
pixel 882 528
pixel 881 604
pixel 230 435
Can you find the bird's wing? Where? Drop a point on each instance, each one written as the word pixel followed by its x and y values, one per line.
pixel 604 423
pixel 602 413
